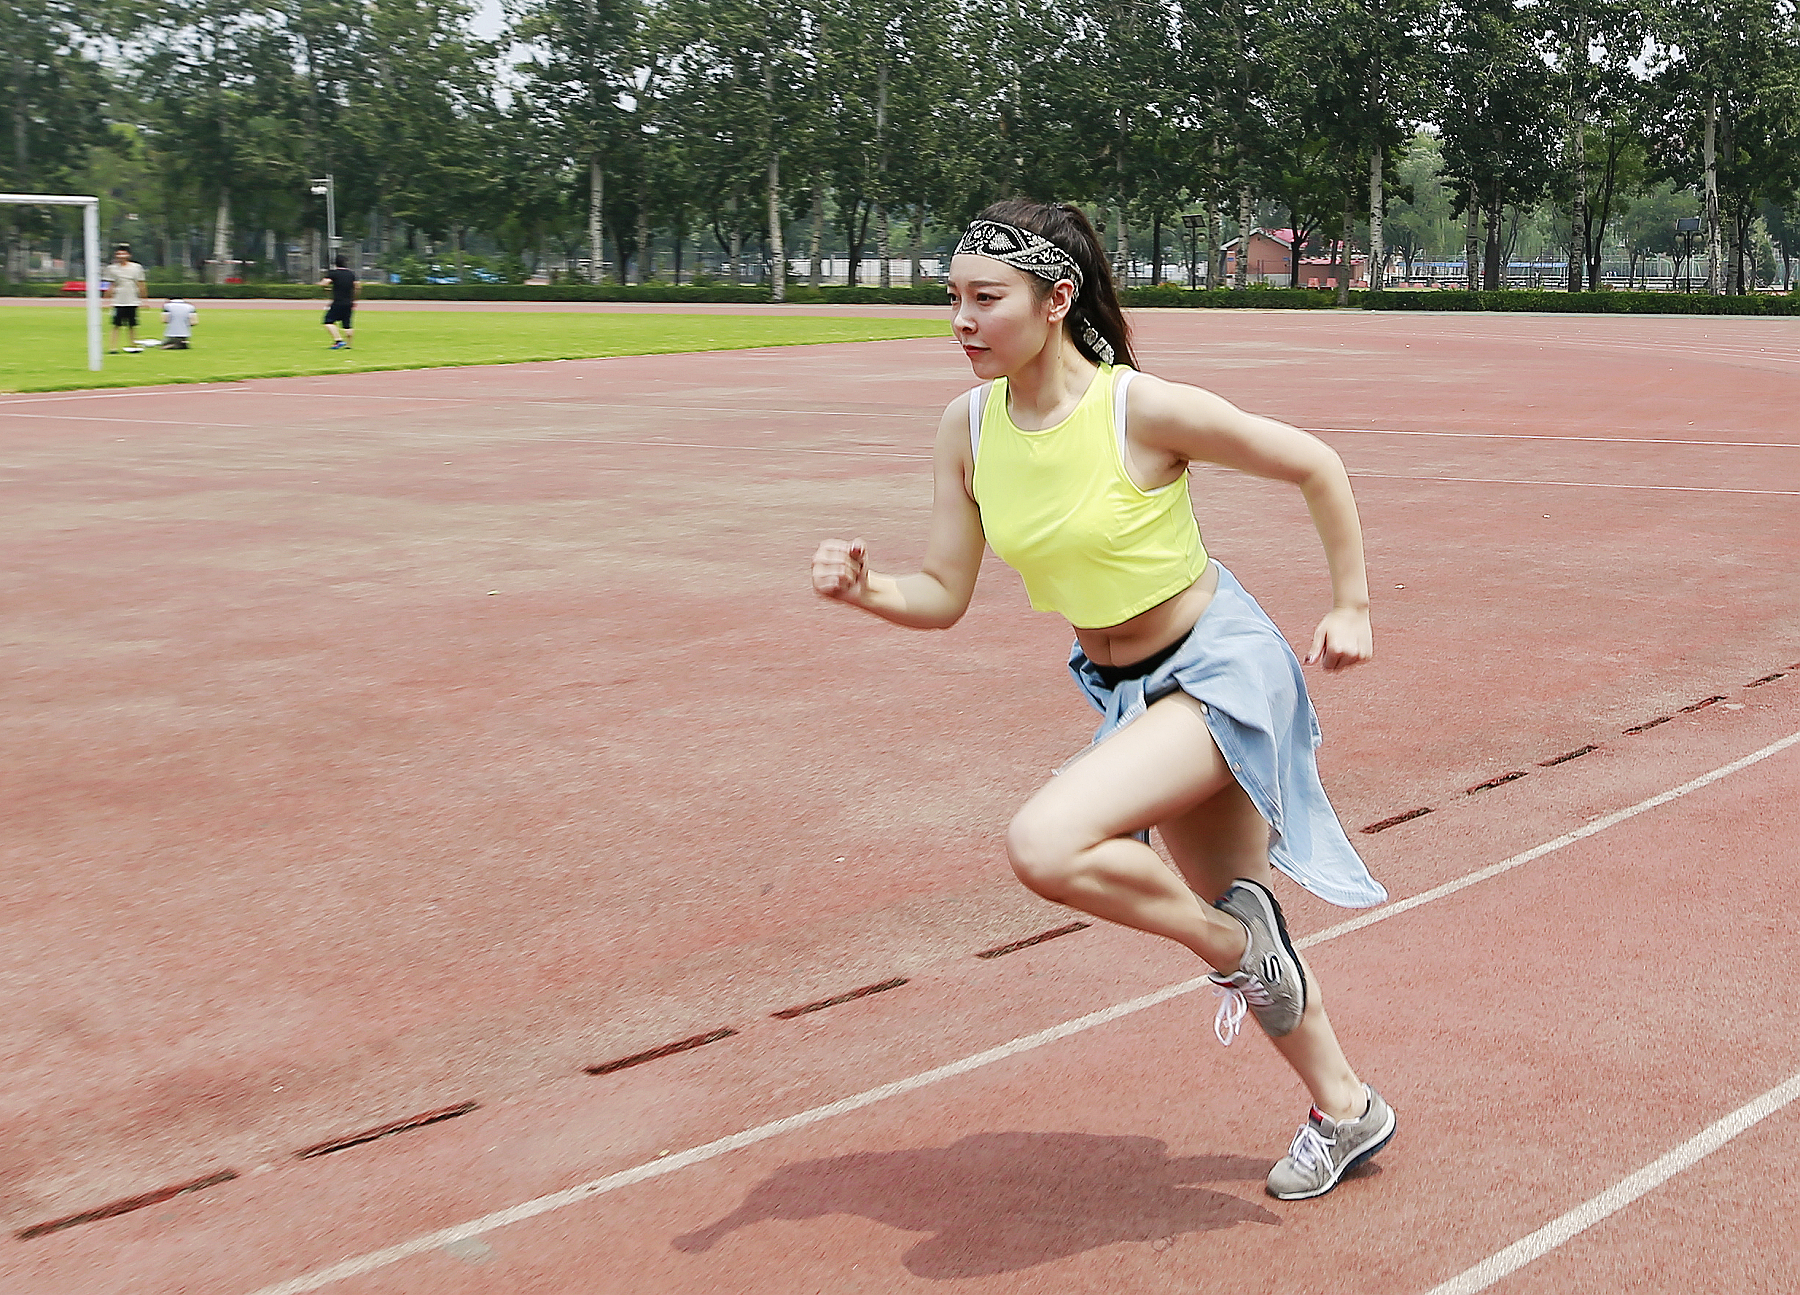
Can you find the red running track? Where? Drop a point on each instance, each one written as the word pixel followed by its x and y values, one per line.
pixel 394 742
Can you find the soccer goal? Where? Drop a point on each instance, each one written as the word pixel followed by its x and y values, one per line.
pixel 90 244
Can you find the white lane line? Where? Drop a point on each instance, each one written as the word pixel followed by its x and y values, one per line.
pixel 1580 485
pixel 694 1155
pixel 1615 1198
pixel 1538 436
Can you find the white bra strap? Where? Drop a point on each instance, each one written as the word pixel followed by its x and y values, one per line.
pixel 1121 380
pixel 977 402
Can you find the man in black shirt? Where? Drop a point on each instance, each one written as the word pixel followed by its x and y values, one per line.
pixel 343 300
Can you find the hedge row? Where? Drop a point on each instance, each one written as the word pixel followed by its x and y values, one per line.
pixel 1260 298
pixel 1596 303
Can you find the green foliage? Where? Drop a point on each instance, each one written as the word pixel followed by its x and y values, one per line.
pixel 651 121
pixel 1607 302
pixel 1256 297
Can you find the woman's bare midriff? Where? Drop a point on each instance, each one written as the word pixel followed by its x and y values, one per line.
pixel 1150 632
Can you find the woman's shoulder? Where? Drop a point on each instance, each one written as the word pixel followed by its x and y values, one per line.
pixel 1162 412
pixel 1152 395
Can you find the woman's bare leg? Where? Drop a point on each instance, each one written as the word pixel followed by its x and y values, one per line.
pixel 1217 842
pixel 1071 843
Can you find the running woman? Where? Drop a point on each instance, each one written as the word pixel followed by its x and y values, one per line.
pixel 1073 467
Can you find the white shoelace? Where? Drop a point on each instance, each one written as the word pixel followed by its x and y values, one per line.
pixel 1232 1010
pixel 1311 1149
pixel 1234 1004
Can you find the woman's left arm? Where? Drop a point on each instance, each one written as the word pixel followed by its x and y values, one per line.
pixel 1192 425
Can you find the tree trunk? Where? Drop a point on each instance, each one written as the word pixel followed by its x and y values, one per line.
pixel 1738 240
pixel 1241 279
pixel 596 221
pixel 734 245
pixel 881 144
pixel 1215 246
pixel 1472 244
pixel 1156 264
pixel 643 265
pixel 1490 269
pixel 1377 202
pixel 818 229
pixel 1578 208
pixel 1121 248
pixel 915 272
pixel 883 247
pixel 1346 266
pixel 777 244
pixel 1710 162
pixel 221 256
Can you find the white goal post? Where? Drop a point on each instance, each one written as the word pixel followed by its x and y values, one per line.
pixel 90 243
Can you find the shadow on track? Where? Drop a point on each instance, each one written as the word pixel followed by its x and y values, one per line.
pixel 1000 1202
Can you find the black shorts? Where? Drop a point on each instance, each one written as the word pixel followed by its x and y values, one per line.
pixel 124 316
pixel 339 313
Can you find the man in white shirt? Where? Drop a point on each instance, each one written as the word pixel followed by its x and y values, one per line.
pixel 178 323
pixel 125 290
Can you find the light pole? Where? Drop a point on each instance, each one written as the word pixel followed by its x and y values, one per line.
pixel 328 187
pixel 1192 220
pixel 1688 229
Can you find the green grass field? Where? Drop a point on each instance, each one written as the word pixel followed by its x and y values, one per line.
pixel 46 347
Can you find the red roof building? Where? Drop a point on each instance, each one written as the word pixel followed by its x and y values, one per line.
pixel 1271 259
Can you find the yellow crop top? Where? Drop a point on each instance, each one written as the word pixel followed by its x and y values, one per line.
pixel 1059 507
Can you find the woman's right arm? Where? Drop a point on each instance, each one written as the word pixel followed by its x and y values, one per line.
pixel 935 597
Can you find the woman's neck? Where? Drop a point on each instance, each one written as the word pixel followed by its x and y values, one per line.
pixel 1048 387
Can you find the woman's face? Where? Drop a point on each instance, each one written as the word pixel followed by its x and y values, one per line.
pixel 999 319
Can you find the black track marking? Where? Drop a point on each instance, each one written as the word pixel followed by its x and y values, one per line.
pixel 789 1013
pixel 1001 950
pixel 1398 819
pixel 126 1206
pixel 385 1130
pixel 1499 781
pixel 667 1050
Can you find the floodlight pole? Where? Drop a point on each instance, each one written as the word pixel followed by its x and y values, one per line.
pixel 327 185
pixel 90 246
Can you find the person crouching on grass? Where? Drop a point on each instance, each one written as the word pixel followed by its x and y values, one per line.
pixel 178 323
pixel 1073 467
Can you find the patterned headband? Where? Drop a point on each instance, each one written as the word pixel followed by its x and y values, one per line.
pixel 1021 249
pixel 1034 254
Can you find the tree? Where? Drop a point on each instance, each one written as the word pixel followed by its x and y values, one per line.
pixel 582 53
pixel 1590 45
pixel 54 90
pixel 1497 120
pixel 1724 114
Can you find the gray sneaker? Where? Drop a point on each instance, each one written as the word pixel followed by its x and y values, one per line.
pixel 1268 977
pixel 1324 1150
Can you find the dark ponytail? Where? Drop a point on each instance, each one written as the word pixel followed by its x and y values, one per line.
pixel 1098 303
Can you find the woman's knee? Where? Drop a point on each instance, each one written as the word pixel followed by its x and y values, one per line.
pixel 1045 854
